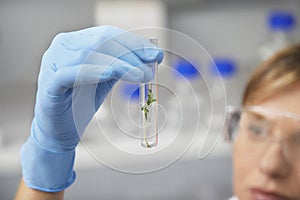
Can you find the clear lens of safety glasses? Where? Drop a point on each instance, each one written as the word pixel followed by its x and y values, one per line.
pixel 255 128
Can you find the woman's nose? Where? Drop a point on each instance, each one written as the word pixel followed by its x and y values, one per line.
pixel 274 162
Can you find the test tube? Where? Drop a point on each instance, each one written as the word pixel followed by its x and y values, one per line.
pixel 149 107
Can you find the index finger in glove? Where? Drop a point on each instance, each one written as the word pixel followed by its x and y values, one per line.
pixel 93 38
pixel 74 76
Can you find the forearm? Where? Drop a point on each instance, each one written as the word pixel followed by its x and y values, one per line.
pixel 26 193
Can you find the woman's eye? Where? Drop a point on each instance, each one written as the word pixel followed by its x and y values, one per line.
pixel 297 138
pixel 256 129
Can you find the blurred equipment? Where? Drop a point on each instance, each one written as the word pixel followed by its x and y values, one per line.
pixel 188 88
pixel 225 68
pixel 281 25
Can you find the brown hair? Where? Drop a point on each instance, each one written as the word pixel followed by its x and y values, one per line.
pixel 276 74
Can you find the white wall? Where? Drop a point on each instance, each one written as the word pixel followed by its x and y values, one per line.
pixel 26 30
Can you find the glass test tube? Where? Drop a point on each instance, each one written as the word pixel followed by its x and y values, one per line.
pixel 149 108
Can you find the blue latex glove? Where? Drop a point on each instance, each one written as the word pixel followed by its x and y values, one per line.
pixel 77 72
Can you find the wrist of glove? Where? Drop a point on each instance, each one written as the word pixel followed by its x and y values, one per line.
pixel 43 168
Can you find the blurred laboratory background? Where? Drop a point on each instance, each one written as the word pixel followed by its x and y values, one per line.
pixel 237 34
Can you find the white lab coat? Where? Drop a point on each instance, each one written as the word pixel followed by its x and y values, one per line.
pixel 233 198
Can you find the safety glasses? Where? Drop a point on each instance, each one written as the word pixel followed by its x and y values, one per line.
pixel 256 128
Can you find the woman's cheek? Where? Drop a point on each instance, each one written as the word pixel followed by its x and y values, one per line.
pixel 242 168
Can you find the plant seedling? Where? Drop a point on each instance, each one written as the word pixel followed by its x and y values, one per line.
pixel 150 100
pixel 146 110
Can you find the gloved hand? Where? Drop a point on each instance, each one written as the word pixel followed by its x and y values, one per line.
pixel 77 72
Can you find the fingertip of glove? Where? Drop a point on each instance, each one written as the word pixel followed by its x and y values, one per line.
pixel 152 54
pixel 133 74
pixel 160 56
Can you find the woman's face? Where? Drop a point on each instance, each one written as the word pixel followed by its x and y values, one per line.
pixel 271 172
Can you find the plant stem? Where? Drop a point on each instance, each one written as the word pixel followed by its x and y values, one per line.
pixel 146 110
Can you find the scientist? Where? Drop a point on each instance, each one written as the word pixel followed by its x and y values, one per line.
pixel 265 131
